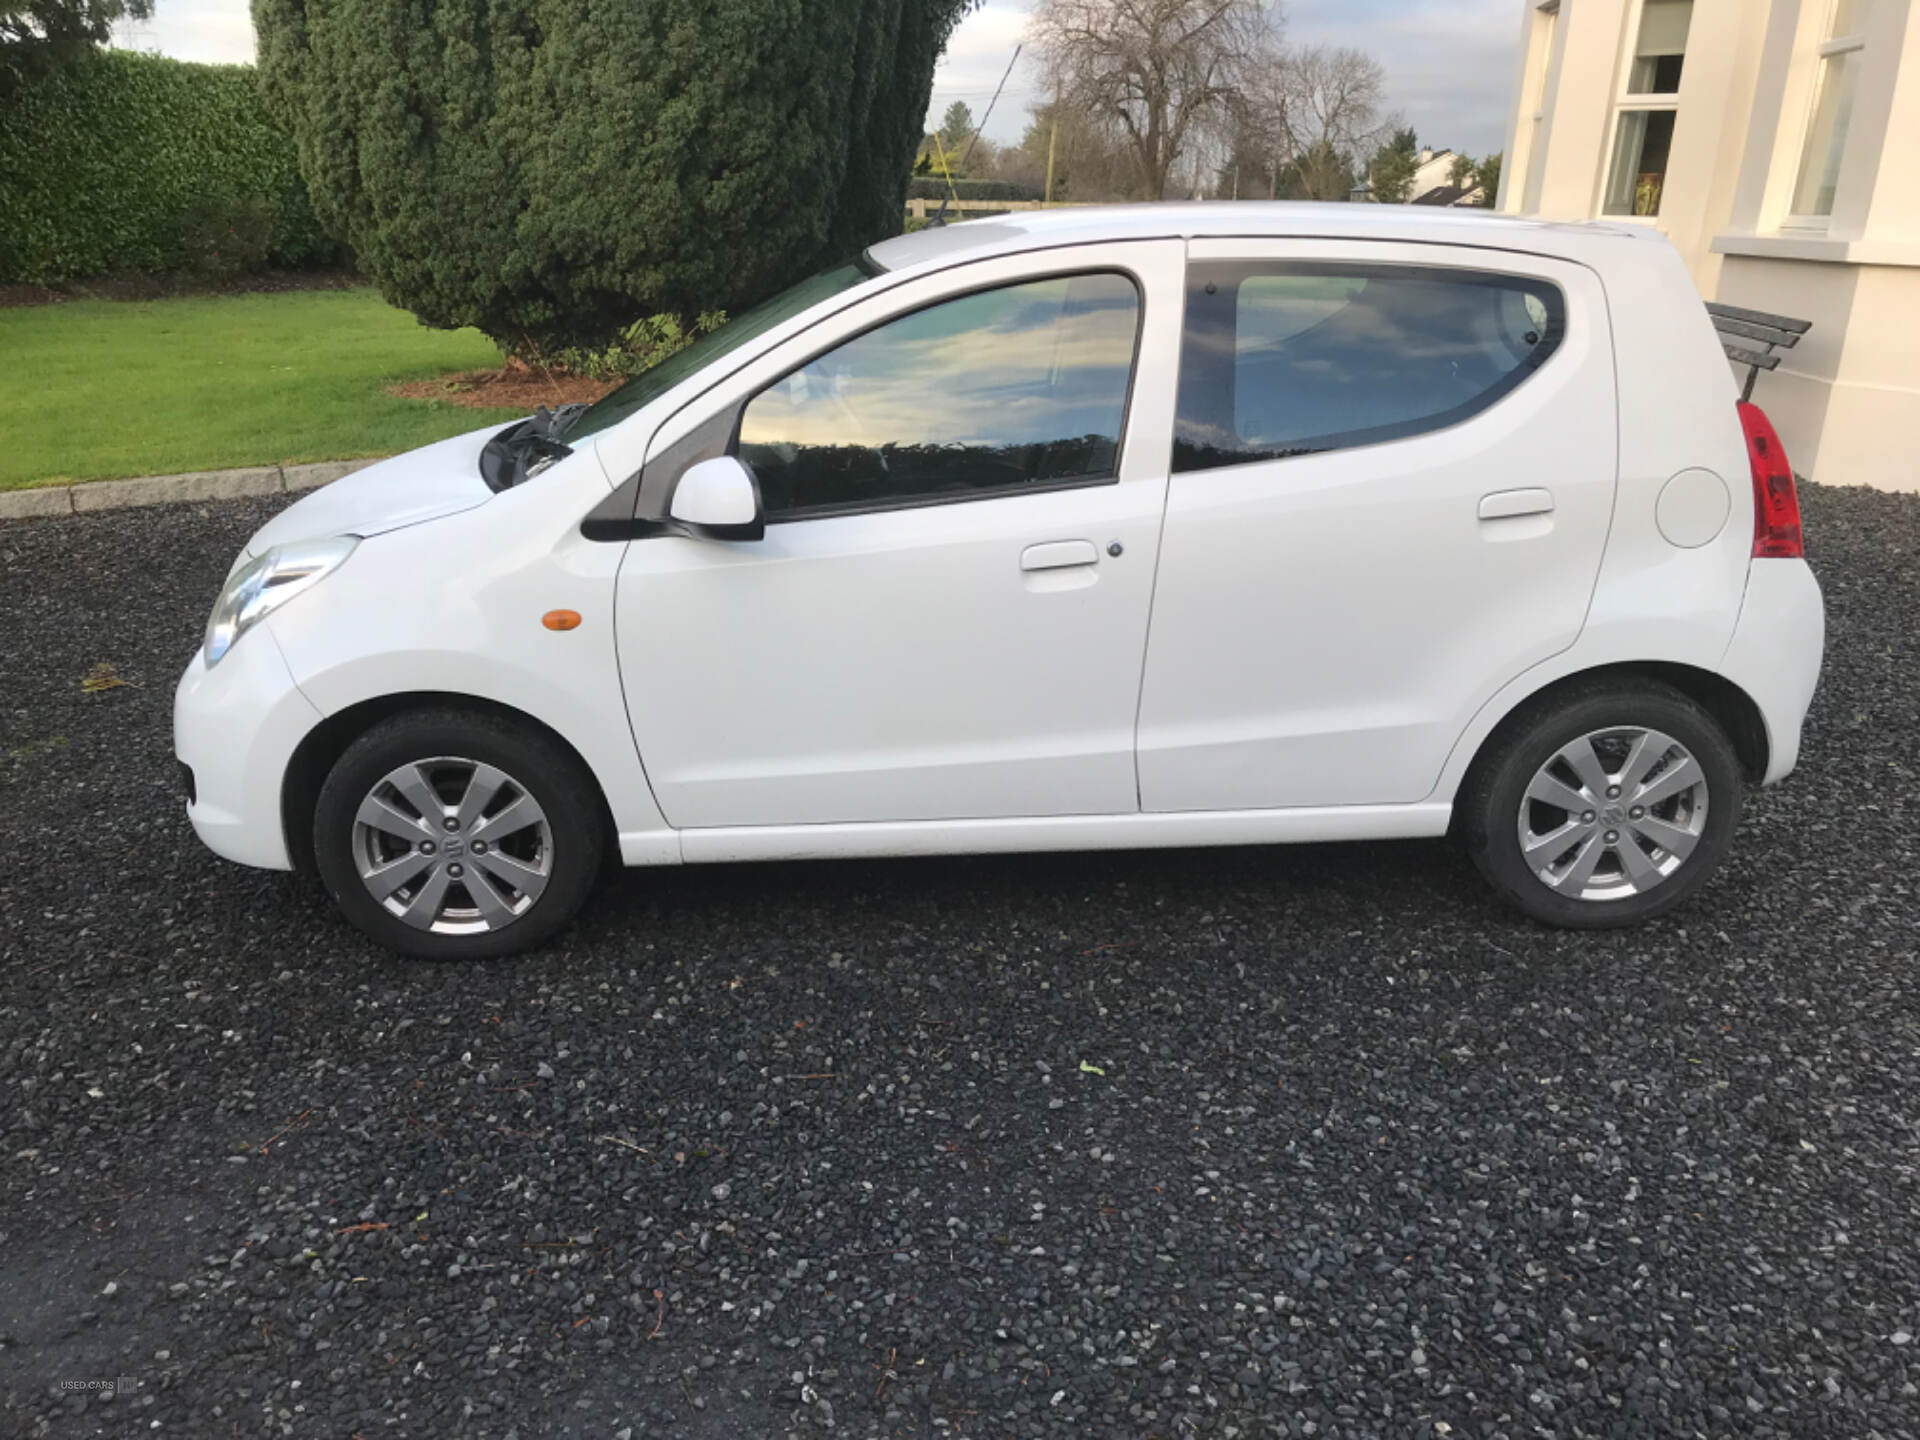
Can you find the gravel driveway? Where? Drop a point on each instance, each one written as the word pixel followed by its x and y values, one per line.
pixel 1258 1142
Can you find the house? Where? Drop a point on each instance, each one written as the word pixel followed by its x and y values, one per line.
pixel 1432 183
pixel 1758 136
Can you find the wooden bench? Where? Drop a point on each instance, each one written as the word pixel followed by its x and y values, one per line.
pixel 1741 331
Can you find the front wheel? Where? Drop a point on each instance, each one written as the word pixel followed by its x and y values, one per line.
pixel 1604 806
pixel 452 834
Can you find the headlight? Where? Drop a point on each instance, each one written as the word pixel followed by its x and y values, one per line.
pixel 257 589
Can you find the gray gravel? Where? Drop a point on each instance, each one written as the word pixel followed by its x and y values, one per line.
pixel 1285 1142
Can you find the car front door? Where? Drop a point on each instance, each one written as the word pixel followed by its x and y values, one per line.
pixel 963 479
pixel 1393 477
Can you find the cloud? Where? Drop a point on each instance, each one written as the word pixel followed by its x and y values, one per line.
pixel 212 31
pixel 976 58
pixel 1449 63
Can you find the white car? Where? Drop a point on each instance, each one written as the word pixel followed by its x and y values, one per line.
pixel 1159 525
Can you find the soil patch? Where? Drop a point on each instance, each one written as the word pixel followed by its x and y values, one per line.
pixel 513 388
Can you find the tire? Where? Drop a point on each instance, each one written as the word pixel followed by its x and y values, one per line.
pixel 508 859
pixel 1685 769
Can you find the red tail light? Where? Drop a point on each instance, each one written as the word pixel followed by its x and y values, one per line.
pixel 1776 504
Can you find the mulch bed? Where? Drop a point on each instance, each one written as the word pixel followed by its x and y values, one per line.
pixel 512 387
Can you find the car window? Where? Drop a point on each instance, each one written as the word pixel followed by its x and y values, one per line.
pixel 610 409
pixel 1003 390
pixel 1281 359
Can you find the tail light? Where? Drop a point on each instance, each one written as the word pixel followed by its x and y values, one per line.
pixel 1776 504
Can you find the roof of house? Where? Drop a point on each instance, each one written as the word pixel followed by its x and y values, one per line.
pixel 1445 195
pixel 1093 224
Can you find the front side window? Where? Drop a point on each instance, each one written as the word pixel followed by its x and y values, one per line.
pixel 610 409
pixel 1643 127
pixel 1293 358
pixel 1004 390
pixel 1826 142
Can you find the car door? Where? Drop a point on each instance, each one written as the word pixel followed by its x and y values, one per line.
pixel 963 479
pixel 1394 471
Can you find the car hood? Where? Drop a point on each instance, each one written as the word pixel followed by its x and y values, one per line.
pixel 423 484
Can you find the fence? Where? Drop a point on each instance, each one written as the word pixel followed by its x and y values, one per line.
pixel 923 209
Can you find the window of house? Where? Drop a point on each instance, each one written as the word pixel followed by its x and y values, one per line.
pixel 1292 358
pixel 1005 390
pixel 1826 142
pixel 1643 125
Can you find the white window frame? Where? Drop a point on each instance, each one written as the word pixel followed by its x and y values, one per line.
pixel 1526 176
pixel 1626 102
pixel 1830 47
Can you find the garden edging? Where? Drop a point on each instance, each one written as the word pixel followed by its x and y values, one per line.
pixel 89 495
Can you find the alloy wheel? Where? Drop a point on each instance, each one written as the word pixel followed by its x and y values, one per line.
pixel 1613 814
pixel 454 846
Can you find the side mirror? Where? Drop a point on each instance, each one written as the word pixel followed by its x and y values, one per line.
pixel 718 499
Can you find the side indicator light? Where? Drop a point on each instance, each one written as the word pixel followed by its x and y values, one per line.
pixel 561 619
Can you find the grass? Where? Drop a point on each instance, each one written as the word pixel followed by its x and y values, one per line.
pixel 98 389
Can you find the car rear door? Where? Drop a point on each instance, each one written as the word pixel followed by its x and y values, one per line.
pixel 1392 480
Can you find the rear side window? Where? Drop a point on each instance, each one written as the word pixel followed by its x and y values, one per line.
pixel 1017 388
pixel 1284 358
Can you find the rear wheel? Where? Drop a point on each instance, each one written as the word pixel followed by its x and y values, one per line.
pixel 453 834
pixel 1606 805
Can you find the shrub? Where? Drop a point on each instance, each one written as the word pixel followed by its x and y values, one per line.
pixel 134 162
pixel 935 188
pixel 641 346
pixel 226 235
pixel 550 173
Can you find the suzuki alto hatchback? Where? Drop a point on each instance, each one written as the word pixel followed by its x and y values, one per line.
pixel 1146 526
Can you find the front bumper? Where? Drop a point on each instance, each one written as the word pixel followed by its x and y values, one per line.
pixel 1776 652
pixel 236 727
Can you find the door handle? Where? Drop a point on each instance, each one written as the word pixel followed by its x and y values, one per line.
pixel 1058 555
pixel 1511 504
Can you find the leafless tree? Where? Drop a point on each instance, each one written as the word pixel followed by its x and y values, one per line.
pixel 1321 108
pixel 1161 73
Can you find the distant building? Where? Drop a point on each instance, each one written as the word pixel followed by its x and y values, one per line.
pixel 1758 135
pixel 1432 183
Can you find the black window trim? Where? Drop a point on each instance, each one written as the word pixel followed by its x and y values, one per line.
pixel 961 497
pixel 1551 344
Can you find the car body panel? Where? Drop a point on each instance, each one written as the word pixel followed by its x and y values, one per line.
pixel 1326 624
pixel 424 484
pixel 902 665
pixel 236 726
pixel 1776 652
pixel 454 609
pixel 444 596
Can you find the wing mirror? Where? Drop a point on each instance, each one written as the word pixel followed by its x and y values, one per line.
pixel 718 499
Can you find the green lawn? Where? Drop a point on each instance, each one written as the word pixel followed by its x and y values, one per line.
pixel 96 389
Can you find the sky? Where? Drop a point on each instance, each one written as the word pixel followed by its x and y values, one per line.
pixel 1449 63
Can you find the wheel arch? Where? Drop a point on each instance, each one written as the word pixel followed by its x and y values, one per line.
pixel 1731 707
pixel 323 745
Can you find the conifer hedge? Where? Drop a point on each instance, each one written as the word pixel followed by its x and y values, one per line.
pixel 550 170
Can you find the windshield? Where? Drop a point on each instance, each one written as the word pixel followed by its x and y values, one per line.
pixel 648 385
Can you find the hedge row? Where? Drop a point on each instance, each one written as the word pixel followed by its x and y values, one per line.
pixel 933 187
pixel 135 162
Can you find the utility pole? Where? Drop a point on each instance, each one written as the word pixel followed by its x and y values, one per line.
pixel 1053 139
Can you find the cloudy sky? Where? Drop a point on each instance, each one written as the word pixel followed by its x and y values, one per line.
pixel 1449 62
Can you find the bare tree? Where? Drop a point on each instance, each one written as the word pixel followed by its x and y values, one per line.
pixel 1322 108
pixel 1162 73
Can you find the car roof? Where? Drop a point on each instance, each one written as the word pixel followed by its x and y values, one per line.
pixel 1282 219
